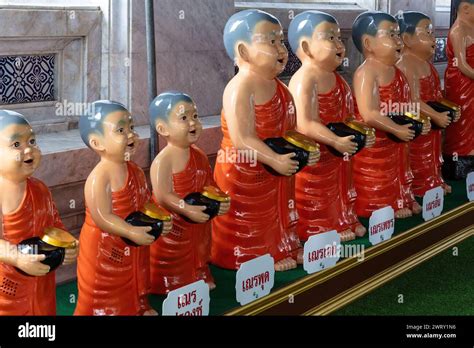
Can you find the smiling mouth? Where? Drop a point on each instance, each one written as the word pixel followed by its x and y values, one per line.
pixel 131 145
pixel 193 132
pixel 281 61
pixel 28 161
pixel 339 55
pixel 399 50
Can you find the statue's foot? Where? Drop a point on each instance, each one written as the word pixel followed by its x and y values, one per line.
pixel 150 313
pixel 416 208
pixel 447 189
pixel 211 285
pixel 403 213
pixel 300 256
pixel 360 230
pixel 347 235
pixel 285 264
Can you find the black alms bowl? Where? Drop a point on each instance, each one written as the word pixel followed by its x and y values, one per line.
pixel 295 142
pixel 139 218
pixel 406 118
pixel 211 197
pixel 197 198
pixel 341 129
pixel 35 246
pixel 444 105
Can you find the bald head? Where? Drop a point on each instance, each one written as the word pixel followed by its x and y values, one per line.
pixel 367 23
pixel 8 117
pixel 241 26
pixel 93 122
pixel 161 107
pixel 303 26
pixel 408 21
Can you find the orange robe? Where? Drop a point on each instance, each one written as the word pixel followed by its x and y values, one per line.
pixel 460 90
pixel 262 217
pixel 325 194
pixel 382 174
pixel 21 294
pixel 113 277
pixel 182 256
pixel 425 150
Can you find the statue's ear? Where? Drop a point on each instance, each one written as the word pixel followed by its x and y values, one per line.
pixel 406 38
pixel 464 7
pixel 304 47
pixel 367 43
pixel 162 128
pixel 96 142
pixel 243 51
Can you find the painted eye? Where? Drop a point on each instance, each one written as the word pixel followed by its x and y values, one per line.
pixel 132 127
pixel 16 144
pixel 282 41
pixel 32 141
pixel 273 42
pixel 195 117
pixel 184 118
pixel 331 38
pixel 120 130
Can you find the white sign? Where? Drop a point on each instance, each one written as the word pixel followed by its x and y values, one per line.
pixel 433 201
pixel 470 186
pixel 255 279
pixel 192 299
pixel 381 225
pixel 321 251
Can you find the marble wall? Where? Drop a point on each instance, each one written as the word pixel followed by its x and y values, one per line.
pixel 190 53
pixel 75 41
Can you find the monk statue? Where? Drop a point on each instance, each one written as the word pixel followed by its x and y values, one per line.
pixel 27 210
pixel 459 85
pixel 382 174
pixel 112 275
pixel 181 169
pixel 416 64
pixel 260 181
pixel 325 194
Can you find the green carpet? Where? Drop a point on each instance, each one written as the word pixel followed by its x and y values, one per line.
pixel 223 297
pixel 444 285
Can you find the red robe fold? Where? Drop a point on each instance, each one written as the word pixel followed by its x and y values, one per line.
pixel 262 217
pixel 21 294
pixel 182 256
pixel 425 150
pixel 113 277
pixel 382 174
pixel 325 194
pixel 460 89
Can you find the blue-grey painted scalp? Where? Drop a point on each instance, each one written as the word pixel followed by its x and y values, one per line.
pixel 162 105
pixel 409 20
pixel 240 27
pixel 93 121
pixel 303 25
pixel 459 2
pixel 8 117
pixel 368 23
